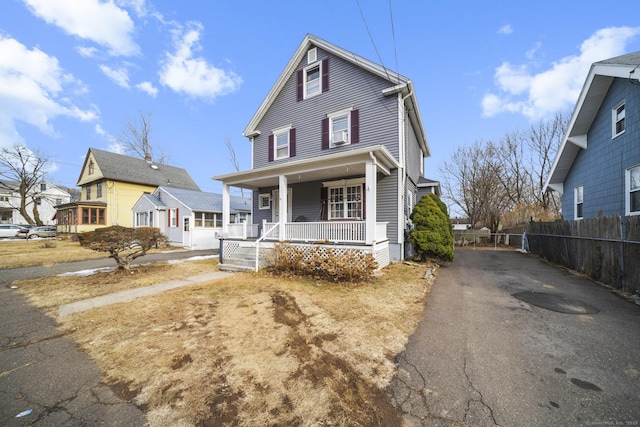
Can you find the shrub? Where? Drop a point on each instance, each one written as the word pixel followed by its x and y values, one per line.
pixel 123 244
pixel 320 262
pixel 432 235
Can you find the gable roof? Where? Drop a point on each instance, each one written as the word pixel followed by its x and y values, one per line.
pixel 205 202
pixel 138 171
pixel 398 83
pixel 596 87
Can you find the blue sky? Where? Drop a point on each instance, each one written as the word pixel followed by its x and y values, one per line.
pixel 73 72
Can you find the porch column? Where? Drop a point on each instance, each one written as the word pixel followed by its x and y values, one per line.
pixel 370 201
pixel 283 206
pixel 226 208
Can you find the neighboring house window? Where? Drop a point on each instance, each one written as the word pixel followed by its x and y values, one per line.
pixel 142 219
pixel 345 202
pixel 90 167
pixel 88 192
pixel 173 217
pixel 43 186
pixel 282 143
pixel 38 201
pixel 99 190
pixel 92 216
pixel 633 191
pixel 618 120
pixel 578 197
pixel 151 219
pixel 4 198
pixel 341 128
pixel 241 217
pixel 264 201
pixel 313 79
pixel 205 219
pixel 58 202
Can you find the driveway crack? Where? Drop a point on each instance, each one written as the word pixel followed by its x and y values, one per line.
pixel 480 400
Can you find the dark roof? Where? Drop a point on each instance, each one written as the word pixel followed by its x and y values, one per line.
pixel 206 202
pixel 425 182
pixel 628 59
pixel 134 170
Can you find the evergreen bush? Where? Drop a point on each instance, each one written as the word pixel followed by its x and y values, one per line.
pixel 432 235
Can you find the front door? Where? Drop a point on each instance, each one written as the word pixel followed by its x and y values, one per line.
pixel 275 206
pixel 186 232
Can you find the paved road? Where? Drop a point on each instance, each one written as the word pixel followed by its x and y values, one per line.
pixel 41 370
pixel 509 340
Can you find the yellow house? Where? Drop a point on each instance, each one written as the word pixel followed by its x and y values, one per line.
pixel 110 185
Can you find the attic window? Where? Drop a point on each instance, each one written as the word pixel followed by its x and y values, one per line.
pixel 312 55
pixel 90 167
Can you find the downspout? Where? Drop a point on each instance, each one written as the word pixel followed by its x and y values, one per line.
pixel 402 180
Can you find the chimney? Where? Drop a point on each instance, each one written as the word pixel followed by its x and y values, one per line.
pixel 147 157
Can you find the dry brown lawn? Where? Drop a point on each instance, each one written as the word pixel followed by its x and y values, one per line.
pixel 251 349
pixel 16 253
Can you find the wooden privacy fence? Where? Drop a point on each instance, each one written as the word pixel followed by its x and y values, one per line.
pixel 607 249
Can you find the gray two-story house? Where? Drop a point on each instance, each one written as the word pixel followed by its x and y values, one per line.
pixel 597 169
pixel 338 148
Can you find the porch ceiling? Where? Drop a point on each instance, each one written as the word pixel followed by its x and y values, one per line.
pixel 332 166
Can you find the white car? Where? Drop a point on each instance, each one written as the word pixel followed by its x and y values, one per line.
pixel 10 230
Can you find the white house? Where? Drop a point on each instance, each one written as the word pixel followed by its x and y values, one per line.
pixel 45 195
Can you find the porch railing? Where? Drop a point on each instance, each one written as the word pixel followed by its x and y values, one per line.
pixel 242 230
pixel 331 231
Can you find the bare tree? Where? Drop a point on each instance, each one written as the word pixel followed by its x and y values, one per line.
pixel 136 139
pixel 233 158
pixel 21 171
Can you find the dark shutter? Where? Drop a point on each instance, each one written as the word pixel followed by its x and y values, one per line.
pixel 292 142
pixel 300 85
pixel 364 201
pixel 270 147
pixel 168 217
pixel 324 203
pixel 177 217
pixel 325 133
pixel 325 75
pixel 355 126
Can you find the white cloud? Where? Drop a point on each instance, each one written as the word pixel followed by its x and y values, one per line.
pixel 536 95
pixel 506 29
pixel 149 88
pixel 87 51
pixel 192 75
pixel 32 91
pixel 101 22
pixel 119 76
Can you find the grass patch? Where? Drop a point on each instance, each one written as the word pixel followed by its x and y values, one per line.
pixel 17 253
pixel 250 349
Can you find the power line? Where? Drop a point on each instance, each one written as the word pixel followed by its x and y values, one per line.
pixel 371 38
pixel 393 35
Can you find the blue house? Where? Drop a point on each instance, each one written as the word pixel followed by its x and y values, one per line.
pixel 597 169
pixel 338 149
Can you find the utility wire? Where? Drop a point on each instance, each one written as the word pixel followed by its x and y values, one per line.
pixel 393 34
pixel 371 38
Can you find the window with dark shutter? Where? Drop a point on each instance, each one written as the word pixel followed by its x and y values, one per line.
pixel 325 75
pixel 355 126
pixel 270 147
pixel 292 142
pixel 300 85
pixel 324 203
pixel 325 133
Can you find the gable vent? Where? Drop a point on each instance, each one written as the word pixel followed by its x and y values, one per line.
pixel 312 55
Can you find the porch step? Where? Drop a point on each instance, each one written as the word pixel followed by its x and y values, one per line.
pixel 243 259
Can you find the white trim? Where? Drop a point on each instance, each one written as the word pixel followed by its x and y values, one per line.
pixel 617 118
pixel 284 131
pixel 627 191
pixel 343 182
pixel 305 70
pixel 575 201
pixel 262 197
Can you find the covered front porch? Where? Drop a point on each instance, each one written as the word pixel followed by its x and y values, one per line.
pixel 328 200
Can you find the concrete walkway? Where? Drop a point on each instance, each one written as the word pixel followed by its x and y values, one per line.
pixel 131 294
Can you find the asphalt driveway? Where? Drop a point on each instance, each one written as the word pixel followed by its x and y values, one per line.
pixel 509 340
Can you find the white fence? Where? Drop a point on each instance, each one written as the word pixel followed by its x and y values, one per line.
pixel 329 231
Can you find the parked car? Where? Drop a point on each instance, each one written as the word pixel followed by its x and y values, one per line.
pixel 24 230
pixel 44 231
pixel 11 230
